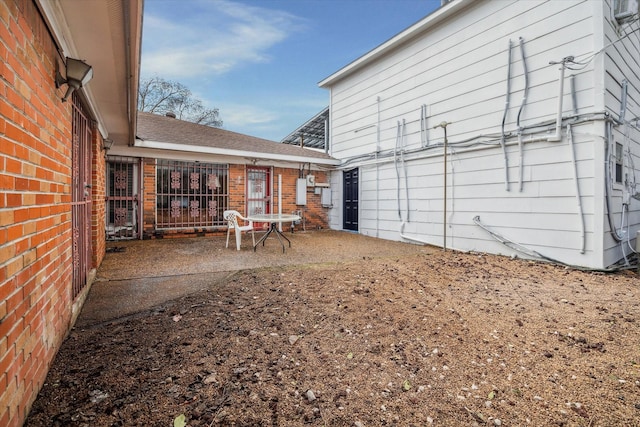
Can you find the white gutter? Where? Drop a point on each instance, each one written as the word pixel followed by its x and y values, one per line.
pixel 234 153
pixel 424 24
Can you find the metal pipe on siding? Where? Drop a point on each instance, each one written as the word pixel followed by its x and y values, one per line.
pixel 395 163
pixel 404 166
pixel 577 183
pixel 574 99
pixel 377 167
pixel 504 119
pixel 444 209
pixel 444 215
pixel 623 101
pixel 558 135
pixel 522 104
pixel 424 129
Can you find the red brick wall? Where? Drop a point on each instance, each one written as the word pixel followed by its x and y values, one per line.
pixel 315 216
pixel 35 211
pixel 237 196
pixel 148 197
pixel 98 200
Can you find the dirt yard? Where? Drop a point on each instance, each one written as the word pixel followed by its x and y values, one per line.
pixel 427 338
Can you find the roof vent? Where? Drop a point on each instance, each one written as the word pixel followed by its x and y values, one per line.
pixel 170 114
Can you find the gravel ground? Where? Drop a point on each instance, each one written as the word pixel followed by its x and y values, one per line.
pixel 353 331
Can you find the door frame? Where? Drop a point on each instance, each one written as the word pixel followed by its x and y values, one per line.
pixel 268 192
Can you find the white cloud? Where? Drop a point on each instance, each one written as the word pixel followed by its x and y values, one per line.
pixel 210 37
pixel 237 116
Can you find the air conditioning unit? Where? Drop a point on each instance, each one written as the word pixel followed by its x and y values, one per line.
pixel 625 10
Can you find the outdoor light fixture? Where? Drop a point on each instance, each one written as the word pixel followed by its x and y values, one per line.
pixel 107 144
pixel 78 74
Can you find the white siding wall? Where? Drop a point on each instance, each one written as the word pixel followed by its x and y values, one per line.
pixel 621 61
pixel 458 69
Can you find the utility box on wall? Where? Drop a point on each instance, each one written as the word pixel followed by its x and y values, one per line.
pixel 301 191
pixel 325 198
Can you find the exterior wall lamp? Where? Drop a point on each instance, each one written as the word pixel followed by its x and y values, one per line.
pixel 78 74
pixel 107 144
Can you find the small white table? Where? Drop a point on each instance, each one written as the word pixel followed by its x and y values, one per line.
pixel 273 220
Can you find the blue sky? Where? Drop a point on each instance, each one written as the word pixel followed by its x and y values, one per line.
pixel 260 62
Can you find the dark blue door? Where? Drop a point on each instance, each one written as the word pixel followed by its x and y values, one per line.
pixel 350 221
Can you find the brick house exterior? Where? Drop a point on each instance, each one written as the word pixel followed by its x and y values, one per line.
pixel 178 147
pixel 52 175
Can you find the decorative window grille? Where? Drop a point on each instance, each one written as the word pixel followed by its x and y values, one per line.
pixel 191 194
pixel 258 190
pixel 122 198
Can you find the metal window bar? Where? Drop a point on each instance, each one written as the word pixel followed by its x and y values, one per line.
pixel 258 191
pixel 191 194
pixel 122 198
pixel 80 196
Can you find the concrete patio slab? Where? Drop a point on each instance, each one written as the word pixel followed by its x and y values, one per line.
pixel 137 276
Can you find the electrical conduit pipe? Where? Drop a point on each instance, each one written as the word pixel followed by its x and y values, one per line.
pixel 575 179
pixel 504 119
pixel 522 104
pixel 557 136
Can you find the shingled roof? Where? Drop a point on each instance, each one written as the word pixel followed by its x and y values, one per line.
pixel 156 131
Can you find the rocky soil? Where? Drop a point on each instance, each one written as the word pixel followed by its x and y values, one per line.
pixel 432 338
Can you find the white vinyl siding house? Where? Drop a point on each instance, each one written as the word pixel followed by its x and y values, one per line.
pixel 543 193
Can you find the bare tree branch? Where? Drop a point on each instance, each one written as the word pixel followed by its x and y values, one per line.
pixel 160 96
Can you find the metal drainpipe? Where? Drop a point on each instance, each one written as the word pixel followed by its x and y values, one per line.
pixel 377 167
pixel 444 220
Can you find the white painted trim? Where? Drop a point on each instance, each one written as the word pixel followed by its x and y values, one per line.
pixel 233 153
pixel 429 21
pixel 56 20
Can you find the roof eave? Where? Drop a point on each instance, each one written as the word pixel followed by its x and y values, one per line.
pixel 427 22
pixel 235 153
pixel 107 34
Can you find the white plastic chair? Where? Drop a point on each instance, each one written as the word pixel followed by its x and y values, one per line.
pixel 232 223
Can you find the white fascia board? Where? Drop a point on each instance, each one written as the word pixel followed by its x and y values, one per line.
pixel 430 20
pixel 234 153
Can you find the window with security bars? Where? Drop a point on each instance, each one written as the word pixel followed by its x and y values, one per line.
pixel 191 194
